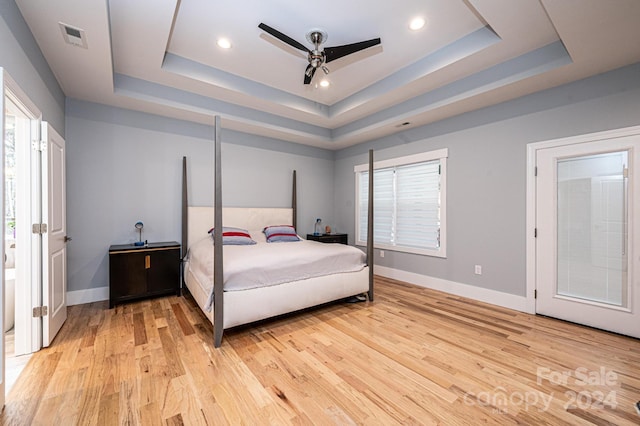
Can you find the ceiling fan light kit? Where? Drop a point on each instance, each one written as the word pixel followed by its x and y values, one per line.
pixel 318 57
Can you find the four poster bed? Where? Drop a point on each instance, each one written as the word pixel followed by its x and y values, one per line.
pixel 268 270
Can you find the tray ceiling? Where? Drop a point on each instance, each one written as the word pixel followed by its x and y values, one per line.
pixel 161 57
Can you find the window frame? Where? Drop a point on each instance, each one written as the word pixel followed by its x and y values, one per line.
pixel 440 155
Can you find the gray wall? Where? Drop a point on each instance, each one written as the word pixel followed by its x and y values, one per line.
pixel 21 57
pixel 487 173
pixel 124 166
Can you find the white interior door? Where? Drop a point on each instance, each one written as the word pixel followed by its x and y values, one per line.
pixel 587 206
pixel 54 265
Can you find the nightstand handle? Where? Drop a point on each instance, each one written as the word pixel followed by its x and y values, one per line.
pixel 147 262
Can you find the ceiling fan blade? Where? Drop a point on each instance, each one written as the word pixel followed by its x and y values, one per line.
pixel 308 78
pixel 285 38
pixel 337 52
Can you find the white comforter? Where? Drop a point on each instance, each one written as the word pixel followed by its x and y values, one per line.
pixel 267 264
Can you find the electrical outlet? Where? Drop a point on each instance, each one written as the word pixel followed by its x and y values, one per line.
pixel 478 270
pixel 381 253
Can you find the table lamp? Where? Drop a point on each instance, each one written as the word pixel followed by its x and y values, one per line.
pixel 139 226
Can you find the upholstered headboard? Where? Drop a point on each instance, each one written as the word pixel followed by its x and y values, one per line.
pixel 200 219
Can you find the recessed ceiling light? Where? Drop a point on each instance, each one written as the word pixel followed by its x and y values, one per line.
pixel 224 43
pixel 324 83
pixel 416 24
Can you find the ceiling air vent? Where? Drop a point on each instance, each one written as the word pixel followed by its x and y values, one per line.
pixel 73 35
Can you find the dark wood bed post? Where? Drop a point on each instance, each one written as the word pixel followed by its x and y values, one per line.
pixel 185 226
pixel 370 227
pixel 218 275
pixel 294 203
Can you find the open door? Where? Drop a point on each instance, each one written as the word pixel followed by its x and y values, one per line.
pixel 54 241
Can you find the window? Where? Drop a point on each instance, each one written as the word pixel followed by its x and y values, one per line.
pixel 409 203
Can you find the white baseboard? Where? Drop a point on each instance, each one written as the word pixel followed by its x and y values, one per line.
pixel 78 297
pixel 505 300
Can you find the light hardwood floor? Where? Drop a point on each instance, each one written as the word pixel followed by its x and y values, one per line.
pixel 414 356
pixel 13 365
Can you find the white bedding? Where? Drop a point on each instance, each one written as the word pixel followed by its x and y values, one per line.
pixel 268 264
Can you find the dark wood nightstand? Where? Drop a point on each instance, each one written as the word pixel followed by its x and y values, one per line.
pixel 137 272
pixel 329 238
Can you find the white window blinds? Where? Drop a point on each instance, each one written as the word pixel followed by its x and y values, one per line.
pixel 407 206
pixel 418 205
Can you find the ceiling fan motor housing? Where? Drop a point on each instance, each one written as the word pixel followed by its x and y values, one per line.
pixel 316 58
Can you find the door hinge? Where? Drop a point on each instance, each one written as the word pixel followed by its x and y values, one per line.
pixel 535 232
pixel 535 171
pixel 39 228
pixel 38 146
pixel 535 294
pixel 625 173
pixel 40 311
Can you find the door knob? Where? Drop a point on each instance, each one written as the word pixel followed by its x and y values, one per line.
pixel 67 238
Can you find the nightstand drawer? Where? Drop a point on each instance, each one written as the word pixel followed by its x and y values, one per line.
pixel 329 238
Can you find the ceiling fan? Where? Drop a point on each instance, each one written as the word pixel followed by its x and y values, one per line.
pixel 317 57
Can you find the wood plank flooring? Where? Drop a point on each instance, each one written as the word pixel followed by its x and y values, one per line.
pixel 13 364
pixel 414 356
